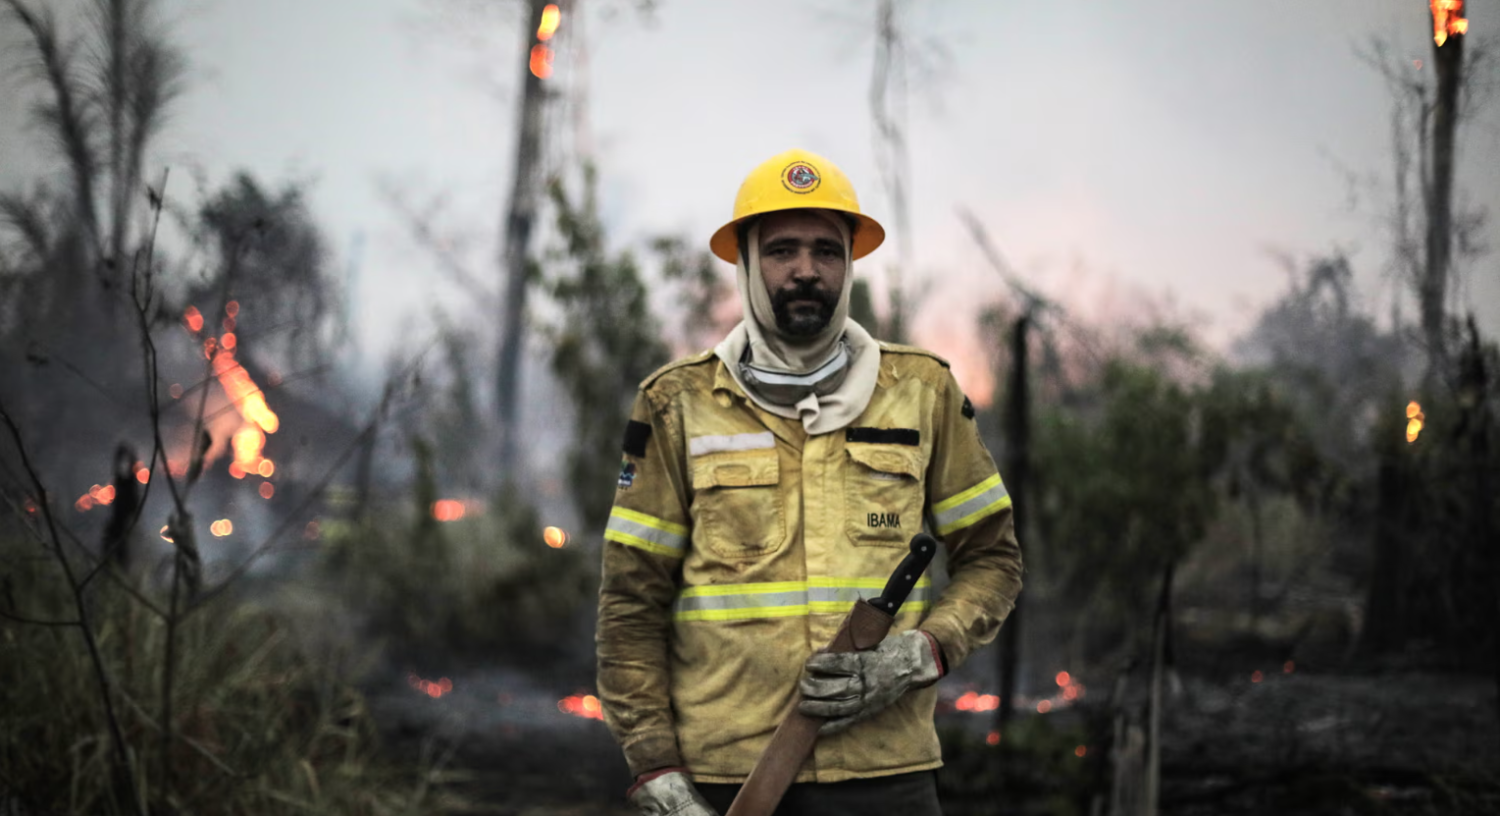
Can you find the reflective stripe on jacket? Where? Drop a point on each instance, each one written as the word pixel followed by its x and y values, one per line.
pixel 737 544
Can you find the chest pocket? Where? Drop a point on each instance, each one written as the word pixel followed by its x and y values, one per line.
pixel 737 504
pixel 883 493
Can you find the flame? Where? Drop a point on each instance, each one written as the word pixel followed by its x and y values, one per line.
pixel 267 490
pixel 1447 19
pixel 193 319
pixel 1415 419
pixel 221 528
pixel 447 509
pixel 430 688
pixel 586 706
pixel 551 16
pixel 541 61
pixel 247 397
pixel 556 537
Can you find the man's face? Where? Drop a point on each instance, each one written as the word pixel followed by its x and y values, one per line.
pixel 802 262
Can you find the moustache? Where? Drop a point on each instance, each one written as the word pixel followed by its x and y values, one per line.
pixel 804 291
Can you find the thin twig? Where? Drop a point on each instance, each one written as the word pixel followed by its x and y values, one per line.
pixel 101 676
pixel 296 513
pixel 38 622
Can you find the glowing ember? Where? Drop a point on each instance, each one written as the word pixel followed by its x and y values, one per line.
pixel 541 61
pixel 447 509
pixel 1414 421
pixel 142 473
pixel 98 496
pixel 974 701
pixel 430 688
pixel 232 308
pixel 1288 667
pixel 551 16
pixel 266 468
pixel 1044 706
pixel 193 318
pixel 1256 676
pixel 267 490
pixel 992 738
pixel 586 706
pixel 228 341
pixel 221 528
pixel 1447 19
pixel 1063 679
pixel 1080 750
pixel 556 537
pixel 228 324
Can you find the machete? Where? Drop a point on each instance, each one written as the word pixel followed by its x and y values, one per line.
pixel 864 628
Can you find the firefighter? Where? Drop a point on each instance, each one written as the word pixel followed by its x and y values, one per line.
pixel 765 485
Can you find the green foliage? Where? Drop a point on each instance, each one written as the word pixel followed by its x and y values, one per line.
pixel 604 344
pixel 260 725
pixel 485 584
pixel 1125 491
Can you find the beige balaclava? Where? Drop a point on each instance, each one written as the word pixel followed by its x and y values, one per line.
pixel 843 359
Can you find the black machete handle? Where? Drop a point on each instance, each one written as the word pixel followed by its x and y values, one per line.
pixel 923 548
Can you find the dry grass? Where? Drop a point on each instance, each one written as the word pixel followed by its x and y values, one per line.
pixel 259 725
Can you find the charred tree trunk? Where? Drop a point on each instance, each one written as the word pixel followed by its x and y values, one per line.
pixel 520 217
pixel 1017 479
pixel 1161 658
pixel 1447 57
pixel 1383 626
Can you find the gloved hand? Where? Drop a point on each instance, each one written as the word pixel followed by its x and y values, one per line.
pixel 847 687
pixel 668 793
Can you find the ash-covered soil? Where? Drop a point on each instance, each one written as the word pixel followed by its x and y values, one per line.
pixel 1317 743
pixel 1293 743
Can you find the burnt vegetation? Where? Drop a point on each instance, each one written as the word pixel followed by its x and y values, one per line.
pixel 233 580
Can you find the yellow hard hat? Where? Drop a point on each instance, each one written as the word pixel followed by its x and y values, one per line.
pixel 796 179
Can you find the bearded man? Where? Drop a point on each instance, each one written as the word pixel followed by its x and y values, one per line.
pixel 767 485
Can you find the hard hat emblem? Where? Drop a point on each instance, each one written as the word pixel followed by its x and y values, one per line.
pixel 800 177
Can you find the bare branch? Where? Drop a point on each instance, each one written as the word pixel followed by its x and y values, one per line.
pixel 422 229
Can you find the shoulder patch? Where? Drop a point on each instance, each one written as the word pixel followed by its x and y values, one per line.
pixel 696 359
pixel 897 348
pixel 637 434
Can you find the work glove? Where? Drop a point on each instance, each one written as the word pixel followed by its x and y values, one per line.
pixel 846 687
pixel 668 792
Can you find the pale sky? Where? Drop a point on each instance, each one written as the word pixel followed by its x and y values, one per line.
pixel 1115 150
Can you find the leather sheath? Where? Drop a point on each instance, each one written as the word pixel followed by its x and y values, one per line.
pixel 863 629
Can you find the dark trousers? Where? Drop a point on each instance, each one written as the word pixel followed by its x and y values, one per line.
pixel 911 794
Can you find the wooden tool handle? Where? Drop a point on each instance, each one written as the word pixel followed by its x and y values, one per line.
pixel 864 628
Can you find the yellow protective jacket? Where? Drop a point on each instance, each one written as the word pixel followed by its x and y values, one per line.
pixel 738 542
